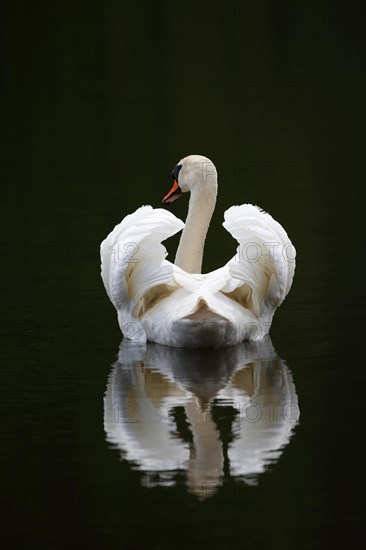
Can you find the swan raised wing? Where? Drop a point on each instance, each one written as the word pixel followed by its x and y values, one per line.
pixel 260 275
pixel 133 266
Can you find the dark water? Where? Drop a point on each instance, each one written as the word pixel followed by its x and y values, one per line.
pixel 106 446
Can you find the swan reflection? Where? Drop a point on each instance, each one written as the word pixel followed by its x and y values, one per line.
pixel 205 412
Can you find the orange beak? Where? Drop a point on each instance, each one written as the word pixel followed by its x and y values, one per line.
pixel 173 194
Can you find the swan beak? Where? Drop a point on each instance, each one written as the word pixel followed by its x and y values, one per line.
pixel 173 194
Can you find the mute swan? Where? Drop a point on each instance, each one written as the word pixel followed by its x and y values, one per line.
pixel 176 305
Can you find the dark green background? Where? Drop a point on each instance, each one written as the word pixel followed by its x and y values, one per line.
pixel 99 100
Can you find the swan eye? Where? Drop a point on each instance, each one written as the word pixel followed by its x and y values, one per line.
pixel 175 173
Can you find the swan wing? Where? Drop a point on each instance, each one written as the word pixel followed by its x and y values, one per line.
pixel 260 275
pixel 133 262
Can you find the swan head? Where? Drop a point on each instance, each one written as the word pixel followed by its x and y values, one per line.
pixel 194 173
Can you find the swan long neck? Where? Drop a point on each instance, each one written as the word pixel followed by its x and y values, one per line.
pixel 190 250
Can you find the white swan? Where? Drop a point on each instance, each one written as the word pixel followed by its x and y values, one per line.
pixel 176 305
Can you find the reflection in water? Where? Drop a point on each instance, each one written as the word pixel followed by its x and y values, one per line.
pixel 206 412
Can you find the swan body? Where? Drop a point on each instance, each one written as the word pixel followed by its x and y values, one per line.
pixel 177 305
